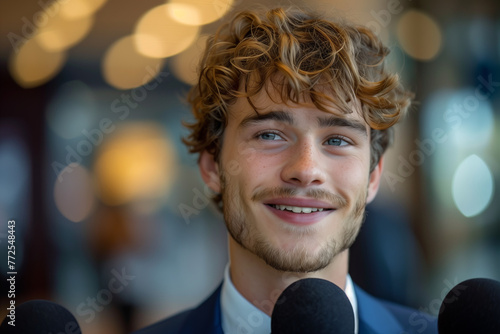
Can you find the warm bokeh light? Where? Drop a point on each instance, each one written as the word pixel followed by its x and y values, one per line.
pixel 472 187
pixel 137 165
pixel 61 33
pixel 33 65
pixel 73 193
pixel 198 12
pixel 158 35
pixel 124 68
pixel 80 8
pixel 419 35
pixel 185 13
pixel 184 64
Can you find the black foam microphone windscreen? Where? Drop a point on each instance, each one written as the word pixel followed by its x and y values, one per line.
pixel 472 306
pixel 312 305
pixel 40 317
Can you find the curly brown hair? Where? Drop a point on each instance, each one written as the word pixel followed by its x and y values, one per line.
pixel 299 54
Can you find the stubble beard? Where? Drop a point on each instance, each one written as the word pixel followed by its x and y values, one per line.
pixel 299 259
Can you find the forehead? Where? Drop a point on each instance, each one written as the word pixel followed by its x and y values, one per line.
pixel 270 98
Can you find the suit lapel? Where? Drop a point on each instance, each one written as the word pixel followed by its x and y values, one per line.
pixel 374 318
pixel 206 318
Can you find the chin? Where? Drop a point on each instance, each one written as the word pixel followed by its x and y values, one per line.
pixel 299 257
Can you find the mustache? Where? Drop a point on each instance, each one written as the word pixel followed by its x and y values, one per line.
pixel 318 194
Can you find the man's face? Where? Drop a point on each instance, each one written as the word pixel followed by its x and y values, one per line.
pixel 294 181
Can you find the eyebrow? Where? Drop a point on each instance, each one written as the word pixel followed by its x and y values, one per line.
pixel 333 121
pixel 277 115
pixel 285 117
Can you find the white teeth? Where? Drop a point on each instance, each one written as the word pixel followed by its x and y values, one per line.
pixel 297 209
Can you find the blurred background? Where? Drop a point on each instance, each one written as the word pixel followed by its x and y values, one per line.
pixel 112 218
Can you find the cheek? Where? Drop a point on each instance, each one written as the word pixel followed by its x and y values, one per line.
pixel 258 174
pixel 244 169
pixel 251 165
pixel 350 178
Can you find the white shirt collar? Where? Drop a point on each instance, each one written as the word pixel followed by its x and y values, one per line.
pixel 241 316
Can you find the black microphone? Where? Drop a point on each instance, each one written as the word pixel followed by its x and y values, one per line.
pixel 472 306
pixel 40 316
pixel 312 305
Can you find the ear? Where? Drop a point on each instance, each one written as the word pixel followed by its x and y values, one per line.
pixel 374 182
pixel 209 170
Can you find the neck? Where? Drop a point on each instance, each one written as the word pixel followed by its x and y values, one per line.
pixel 261 284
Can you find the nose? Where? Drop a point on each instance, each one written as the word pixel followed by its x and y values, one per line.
pixel 303 166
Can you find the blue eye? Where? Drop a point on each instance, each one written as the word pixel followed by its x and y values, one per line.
pixel 336 141
pixel 269 136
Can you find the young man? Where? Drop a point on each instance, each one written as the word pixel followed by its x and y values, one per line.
pixel 293 114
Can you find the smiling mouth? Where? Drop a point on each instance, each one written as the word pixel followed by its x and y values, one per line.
pixel 297 209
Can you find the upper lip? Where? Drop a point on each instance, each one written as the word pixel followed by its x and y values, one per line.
pixel 300 202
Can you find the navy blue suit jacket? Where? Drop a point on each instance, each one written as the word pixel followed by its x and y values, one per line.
pixel 375 317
